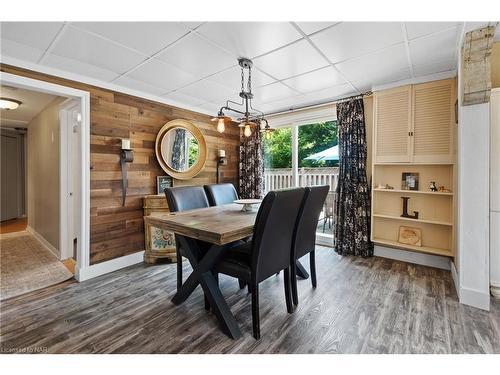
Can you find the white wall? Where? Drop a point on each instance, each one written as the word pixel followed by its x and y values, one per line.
pixel 495 193
pixel 43 174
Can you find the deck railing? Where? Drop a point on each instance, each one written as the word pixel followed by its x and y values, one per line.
pixel 281 178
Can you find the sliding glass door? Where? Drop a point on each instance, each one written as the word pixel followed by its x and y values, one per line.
pixel 305 155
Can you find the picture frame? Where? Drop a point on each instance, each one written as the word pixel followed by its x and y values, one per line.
pixel 410 236
pixel 409 181
pixel 163 182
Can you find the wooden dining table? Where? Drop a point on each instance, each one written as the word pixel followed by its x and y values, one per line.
pixel 221 227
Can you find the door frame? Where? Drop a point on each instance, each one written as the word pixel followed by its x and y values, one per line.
pixel 83 250
pixel 66 109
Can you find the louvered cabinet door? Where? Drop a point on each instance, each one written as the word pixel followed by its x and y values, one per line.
pixel 392 125
pixel 433 121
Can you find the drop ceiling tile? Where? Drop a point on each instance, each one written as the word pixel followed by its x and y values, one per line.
pixel 34 34
pixel 290 61
pixel 312 27
pixel 439 48
pixel 388 65
pixel 351 39
pixel 19 51
pixel 160 74
pixel 231 78
pixel 208 108
pixel 145 37
pixel 134 84
pixel 433 67
pixel 78 67
pixel 250 39
pixel 87 48
pixel 317 80
pixel 272 92
pixel 184 99
pixel 418 29
pixel 195 55
pixel 208 91
pixel 193 24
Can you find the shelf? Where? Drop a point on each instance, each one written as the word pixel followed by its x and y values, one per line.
pixel 399 191
pixel 421 249
pixel 412 164
pixel 437 222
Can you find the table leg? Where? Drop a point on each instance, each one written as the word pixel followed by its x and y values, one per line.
pixel 202 275
pixel 301 271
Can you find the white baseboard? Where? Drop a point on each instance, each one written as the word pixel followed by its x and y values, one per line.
pixel 413 257
pixel 43 241
pixel 495 291
pixel 475 298
pixel 99 269
pixel 471 297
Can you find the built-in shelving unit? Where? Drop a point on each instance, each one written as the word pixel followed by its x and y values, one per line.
pixel 414 131
pixel 398 191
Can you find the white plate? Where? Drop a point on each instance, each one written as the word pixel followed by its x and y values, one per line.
pixel 247 203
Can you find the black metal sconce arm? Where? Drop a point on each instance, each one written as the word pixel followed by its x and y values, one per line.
pixel 126 156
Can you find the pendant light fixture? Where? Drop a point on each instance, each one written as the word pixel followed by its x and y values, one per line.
pixel 250 118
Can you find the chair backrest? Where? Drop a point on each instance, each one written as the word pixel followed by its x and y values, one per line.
pixel 219 194
pixel 304 239
pixel 273 232
pixel 186 198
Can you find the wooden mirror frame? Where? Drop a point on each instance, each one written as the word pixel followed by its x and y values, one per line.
pixel 202 158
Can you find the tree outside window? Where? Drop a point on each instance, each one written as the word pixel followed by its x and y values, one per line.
pixel 313 138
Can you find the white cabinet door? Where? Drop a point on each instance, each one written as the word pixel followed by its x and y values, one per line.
pixel 393 125
pixel 433 121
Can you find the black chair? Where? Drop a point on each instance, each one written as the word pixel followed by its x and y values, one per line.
pixel 219 194
pixel 184 198
pixel 269 250
pixel 304 238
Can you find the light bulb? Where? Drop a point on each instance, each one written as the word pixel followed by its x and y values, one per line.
pixel 268 135
pixel 247 131
pixel 220 125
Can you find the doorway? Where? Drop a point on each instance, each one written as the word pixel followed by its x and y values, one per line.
pixel 79 215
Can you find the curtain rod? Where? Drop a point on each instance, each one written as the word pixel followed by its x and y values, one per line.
pixel 367 93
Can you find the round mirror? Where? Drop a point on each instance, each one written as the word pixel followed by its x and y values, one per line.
pixel 181 149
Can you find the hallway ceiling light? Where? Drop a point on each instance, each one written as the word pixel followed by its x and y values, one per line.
pixel 250 117
pixel 8 104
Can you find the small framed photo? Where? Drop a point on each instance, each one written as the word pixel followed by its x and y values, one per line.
pixel 163 182
pixel 410 236
pixel 409 181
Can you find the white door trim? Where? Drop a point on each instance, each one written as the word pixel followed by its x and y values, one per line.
pixel 83 253
pixel 66 109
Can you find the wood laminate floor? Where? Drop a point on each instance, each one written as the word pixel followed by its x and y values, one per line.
pixel 14 225
pixel 370 305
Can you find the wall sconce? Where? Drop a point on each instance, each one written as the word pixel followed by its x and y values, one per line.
pixel 221 160
pixel 126 156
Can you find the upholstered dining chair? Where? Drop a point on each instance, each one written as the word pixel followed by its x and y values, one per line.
pixel 304 237
pixel 269 250
pixel 219 194
pixel 184 198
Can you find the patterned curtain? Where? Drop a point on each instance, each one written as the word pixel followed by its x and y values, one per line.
pixel 252 166
pixel 352 224
pixel 179 150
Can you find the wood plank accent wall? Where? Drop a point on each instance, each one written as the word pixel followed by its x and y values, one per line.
pixel 117 230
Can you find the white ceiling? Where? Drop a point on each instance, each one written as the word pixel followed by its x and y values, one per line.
pixel 32 103
pixel 194 64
